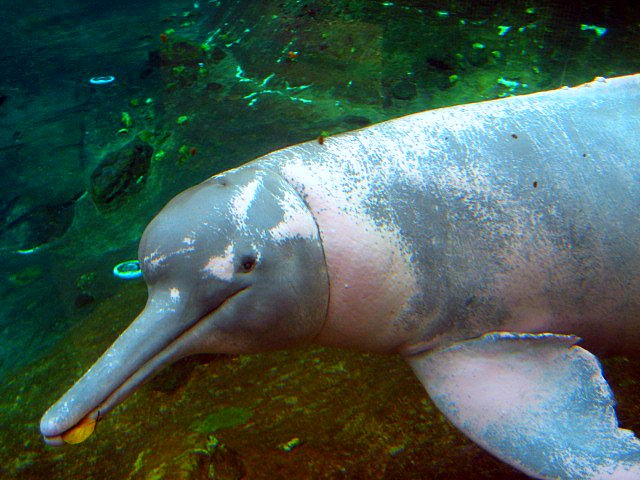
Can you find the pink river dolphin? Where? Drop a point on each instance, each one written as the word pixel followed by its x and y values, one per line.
pixel 495 246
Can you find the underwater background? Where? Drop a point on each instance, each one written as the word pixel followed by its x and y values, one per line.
pixel 110 108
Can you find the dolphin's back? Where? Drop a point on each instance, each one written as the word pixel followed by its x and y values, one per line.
pixel 516 214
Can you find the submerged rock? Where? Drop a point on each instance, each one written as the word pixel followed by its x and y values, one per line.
pixel 83 300
pixel 218 461
pixel 120 174
pixel 404 90
pixel 180 53
pixel 27 227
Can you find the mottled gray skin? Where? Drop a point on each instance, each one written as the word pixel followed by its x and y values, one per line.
pixel 516 215
pixel 519 215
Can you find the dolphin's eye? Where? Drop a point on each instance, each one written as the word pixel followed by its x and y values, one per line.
pixel 248 264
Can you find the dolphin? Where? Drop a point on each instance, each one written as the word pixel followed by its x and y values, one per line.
pixel 481 242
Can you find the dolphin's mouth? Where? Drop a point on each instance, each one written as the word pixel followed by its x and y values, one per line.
pixel 72 418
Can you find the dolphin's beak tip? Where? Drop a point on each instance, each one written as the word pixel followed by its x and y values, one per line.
pixel 46 427
pixel 50 431
pixel 51 424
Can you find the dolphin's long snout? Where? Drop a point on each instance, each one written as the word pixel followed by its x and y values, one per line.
pixel 141 350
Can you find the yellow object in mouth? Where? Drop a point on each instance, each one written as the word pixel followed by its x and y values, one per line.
pixel 80 432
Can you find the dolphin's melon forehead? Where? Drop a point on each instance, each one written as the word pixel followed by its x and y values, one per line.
pixel 204 207
pixel 244 206
pixel 183 223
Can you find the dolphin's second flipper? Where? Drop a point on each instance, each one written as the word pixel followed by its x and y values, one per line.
pixel 538 402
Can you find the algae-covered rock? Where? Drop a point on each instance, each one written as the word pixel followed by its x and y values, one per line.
pixel 180 53
pixel 26 227
pixel 217 461
pixel 121 173
pixel 25 276
pixel 223 418
pixel 404 90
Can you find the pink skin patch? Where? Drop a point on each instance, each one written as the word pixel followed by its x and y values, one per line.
pixel 242 200
pixel 297 222
pixel 221 266
pixel 371 277
pixel 154 259
pixel 371 283
pixel 619 472
pixel 174 294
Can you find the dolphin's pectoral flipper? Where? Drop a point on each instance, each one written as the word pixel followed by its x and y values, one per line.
pixel 536 401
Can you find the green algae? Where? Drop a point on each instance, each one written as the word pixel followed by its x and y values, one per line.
pixel 227 417
pixel 25 276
